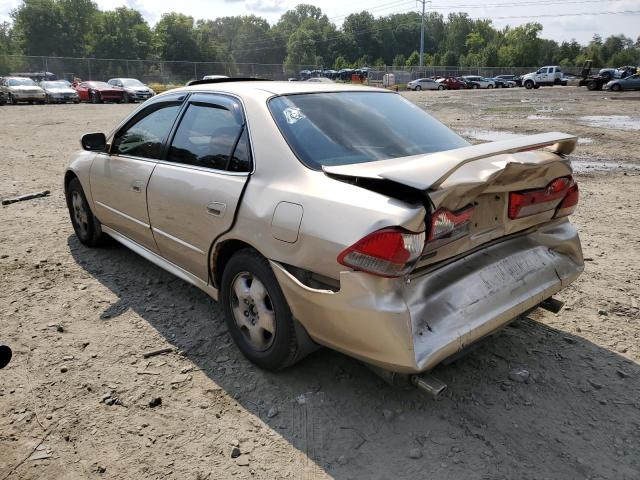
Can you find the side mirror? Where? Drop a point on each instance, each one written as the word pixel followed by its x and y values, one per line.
pixel 94 142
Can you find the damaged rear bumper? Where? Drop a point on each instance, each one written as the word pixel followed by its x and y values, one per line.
pixel 411 325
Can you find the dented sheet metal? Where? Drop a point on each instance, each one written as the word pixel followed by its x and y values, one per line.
pixel 411 326
pixel 428 172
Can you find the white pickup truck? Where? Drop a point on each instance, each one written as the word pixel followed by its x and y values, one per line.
pixel 545 76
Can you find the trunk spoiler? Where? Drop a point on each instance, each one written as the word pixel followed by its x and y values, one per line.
pixel 424 172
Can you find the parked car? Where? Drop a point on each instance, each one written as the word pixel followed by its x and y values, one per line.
pixel 59 92
pixel 452 83
pixel 517 79
pixel 213 77
pixel 21 89
pixel 628 83
pixel 545 76
pixel 99 92
pixel 335 215
pixel 134 89
pixel 503 82
pixel 319 80
pixel 425 84
pixel 479 82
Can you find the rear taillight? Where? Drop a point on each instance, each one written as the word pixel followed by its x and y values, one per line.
pixel 570 202
pixel 447 226
pixel 390 252
pixel 531 202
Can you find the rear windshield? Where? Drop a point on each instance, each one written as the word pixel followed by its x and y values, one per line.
pixel 340 128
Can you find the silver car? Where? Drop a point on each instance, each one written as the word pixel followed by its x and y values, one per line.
pixel 335 215
pixel 425 84
pixel 59 91
pixel 21 89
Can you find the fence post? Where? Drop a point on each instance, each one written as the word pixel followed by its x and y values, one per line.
pixel 89 65
pixel 195 71
pixel 128 74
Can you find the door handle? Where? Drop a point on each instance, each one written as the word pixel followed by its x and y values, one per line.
pixel 216 208
pixel 136 186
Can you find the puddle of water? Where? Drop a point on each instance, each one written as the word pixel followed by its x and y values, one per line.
pixel 615 122
pixel 489 135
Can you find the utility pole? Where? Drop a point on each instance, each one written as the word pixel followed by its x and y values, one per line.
pixel 422 33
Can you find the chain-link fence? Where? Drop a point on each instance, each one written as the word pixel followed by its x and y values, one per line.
pixel 179 72
pixel 148 71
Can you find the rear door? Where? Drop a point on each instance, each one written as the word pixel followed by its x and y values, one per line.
pixel 194 192
pixel 119 178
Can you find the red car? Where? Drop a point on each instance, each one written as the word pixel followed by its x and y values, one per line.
pixel 452 83
pixel 99 92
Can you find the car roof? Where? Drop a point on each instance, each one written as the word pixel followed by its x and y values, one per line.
pixel 250 88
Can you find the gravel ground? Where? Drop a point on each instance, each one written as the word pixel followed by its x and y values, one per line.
pixel 550 397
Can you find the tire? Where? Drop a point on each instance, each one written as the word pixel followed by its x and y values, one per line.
pixel 244 300
pixel 490 86
pixel 592 85
pixel 125 98
pixel 616 88
pixel 47 99
pixel 528 84
pixel 475 87
pixel 85 224
pixel 12 100
pixel 440 87
pixel 418 88
pixel 94 98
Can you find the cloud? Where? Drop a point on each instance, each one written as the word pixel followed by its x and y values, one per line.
pixel 265 6
pixel 233 1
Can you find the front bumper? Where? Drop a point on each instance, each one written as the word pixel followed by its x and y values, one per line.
pixel 410 326
pixel 28 97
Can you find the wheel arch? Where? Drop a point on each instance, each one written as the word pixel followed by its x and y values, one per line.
pixel 221 253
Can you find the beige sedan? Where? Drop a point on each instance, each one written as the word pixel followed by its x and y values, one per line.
pixel 326 214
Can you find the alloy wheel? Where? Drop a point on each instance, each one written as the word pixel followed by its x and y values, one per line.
pixel 80 215
pixel 253 310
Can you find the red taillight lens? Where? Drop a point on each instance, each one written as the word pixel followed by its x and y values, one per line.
pixel 531 202
pixel 390 252
pixel 570 202
pixel 447 226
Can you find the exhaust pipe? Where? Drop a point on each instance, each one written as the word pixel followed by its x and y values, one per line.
pixel 425 382
pixel 429 384
pixel 5 355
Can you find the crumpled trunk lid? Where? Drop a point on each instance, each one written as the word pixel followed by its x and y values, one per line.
pixel 479 175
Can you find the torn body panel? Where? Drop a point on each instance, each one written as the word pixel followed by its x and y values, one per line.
pixel 411 325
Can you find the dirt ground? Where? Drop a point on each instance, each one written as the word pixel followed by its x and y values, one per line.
pixel 80 401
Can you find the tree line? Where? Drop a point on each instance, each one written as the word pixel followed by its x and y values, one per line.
pixel 303 35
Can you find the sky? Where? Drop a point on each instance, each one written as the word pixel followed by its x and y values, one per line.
pixel 552 14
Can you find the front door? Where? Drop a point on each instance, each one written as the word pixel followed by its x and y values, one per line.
pixel 120 177
pixel 194 193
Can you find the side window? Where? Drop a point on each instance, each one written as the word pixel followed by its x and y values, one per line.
pixel 241 158
pixel 145 137
pixel 206 136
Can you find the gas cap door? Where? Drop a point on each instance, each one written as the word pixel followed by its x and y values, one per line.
pixel 285 224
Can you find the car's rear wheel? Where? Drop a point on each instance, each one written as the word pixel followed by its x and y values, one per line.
pixel 85 224
pixel 257 313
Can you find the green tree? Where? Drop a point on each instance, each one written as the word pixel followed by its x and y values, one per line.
pixel 122 33
pixel 450 59
pixel 399 59
pixel 174 38
pixel 413 60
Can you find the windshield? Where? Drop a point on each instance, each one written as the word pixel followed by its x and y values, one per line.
pixel 21 82
pixel 131 82
pixel 341 128
pixel 99 85
pixel 53 85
